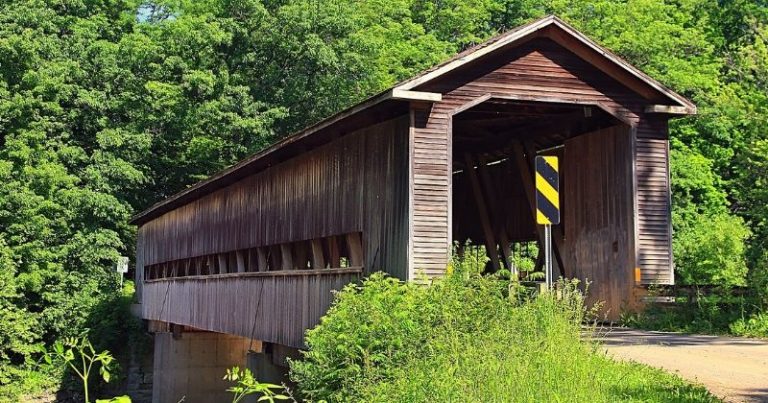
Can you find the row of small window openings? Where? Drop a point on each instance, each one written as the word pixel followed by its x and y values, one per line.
pixel 339 251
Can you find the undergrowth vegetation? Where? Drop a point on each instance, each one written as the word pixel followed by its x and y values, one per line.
pixel 725 310
pixel 468 338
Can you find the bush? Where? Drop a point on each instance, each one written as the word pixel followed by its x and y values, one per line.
pixel 691 313
pixel 711 251
pixel 466 338
pixel 755 326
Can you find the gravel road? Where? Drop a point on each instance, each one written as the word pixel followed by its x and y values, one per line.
pixel 736 369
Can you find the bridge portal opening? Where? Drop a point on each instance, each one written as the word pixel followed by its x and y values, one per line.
pixel 493 203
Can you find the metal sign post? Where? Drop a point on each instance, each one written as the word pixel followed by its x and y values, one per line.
pixel 547 206
pixel 548 255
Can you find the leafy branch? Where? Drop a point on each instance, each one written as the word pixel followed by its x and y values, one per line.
pixel 78 354
pixel 246 385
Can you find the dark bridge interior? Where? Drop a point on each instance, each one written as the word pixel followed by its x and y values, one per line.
pixel 499 139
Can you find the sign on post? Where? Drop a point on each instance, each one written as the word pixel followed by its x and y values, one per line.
pixel 121 267
pixel 547 205
pixel 547 191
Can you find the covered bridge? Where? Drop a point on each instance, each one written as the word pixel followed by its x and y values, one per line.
pixel 389 185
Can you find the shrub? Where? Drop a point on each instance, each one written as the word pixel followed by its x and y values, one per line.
pixel 466 338
pixel 712 251
pixel 754 326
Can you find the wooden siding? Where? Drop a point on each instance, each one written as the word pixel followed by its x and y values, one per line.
pixel 540 69
pixel 276 307
pixel 430 183
pixel 598 215
pixel 654 227
pixel 356 183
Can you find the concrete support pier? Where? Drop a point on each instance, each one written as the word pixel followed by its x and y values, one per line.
pixel 190 365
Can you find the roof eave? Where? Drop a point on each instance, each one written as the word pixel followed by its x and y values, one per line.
pixel 391 95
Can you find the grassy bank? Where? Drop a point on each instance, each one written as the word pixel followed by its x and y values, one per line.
pixel 468 338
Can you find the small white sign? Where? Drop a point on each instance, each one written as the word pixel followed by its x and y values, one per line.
pixel 122 264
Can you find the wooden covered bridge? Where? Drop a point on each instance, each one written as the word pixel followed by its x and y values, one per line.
pixel 390 184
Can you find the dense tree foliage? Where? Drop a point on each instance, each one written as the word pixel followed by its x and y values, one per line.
pixel 109 105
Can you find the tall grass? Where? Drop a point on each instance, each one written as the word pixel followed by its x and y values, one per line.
pixel 530 353
pixel 468 338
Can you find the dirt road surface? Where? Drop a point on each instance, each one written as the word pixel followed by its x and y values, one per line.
pixel 735 369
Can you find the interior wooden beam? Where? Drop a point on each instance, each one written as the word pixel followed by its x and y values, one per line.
pixel 318 260
pixel 355 247
pixel 261 259
pixel 222 263
pixel 240 256
pixel 300 255
pixel 286 256
pixel 497 211
pixel 251 260
pixel 482 210
pixel 334 254
pixel 275 257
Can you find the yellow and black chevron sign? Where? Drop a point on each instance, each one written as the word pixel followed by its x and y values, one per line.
pixel 547 190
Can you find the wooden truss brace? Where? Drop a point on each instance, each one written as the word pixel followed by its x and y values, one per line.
pixel 496 211
pixel 482 211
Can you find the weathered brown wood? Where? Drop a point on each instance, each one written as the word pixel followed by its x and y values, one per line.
pixel 496 211
pixel 318 260
pixel 270 274
pixel 355 248
pixel 598 215
pixel 653 201
pixel 429 183
pixel 240 261
pixel 276 307
pixel 261 256
pixel 356 183
pixel 286 257
pixel 275 256
pixel 334 254
pixel 490 239
pixel 300 254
